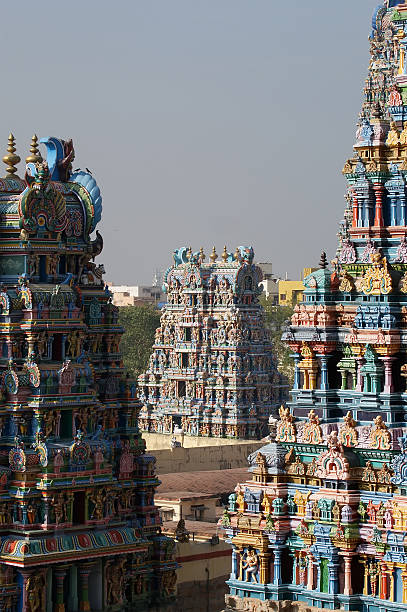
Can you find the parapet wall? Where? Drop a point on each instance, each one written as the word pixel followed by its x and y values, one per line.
pixel 256 605
pixel 199 454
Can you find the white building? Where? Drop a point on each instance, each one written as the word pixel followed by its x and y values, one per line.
pixel 269 283
pixel 135 295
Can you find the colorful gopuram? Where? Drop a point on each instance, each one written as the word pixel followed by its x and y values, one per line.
pixel 322 523
pixel 212 371
pixel 79 530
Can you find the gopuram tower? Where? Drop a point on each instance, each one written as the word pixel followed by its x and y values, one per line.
pixel 79 530
pixel 212 371
pixel 322 523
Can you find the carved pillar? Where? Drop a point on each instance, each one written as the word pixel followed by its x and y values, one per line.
pixel 384 586
pixel 26 575
pixel 33 590
pixel 367 216
pixel 318 587
pixel 404 579
pixel 240 562
pixel 23 506
pixel 393 210
pixel 264 568
pixel 46 499
pixel 233 575
pixel 277 567
pixel 391 571
pixel 84 571
pixel 59 575
pixel 333 578
pixel 31 343
pixel 306 382
pixel 324 372
pixel 402 64
pixel 365 578
pixel 63 346
pixel 310 580
pixel 378 221
pixel 312 373
pixel 347 590
pixel 402 209
pixel 297 375
pixel 355 210
pixel 359 379
pixel 388 374
pixel 294 578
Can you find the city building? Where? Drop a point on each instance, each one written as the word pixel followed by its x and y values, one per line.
pixel 290 292
pixel 269 284
pixel 136 295
pixel 211 372
pixel 203 558
pixel 203 564
pixel 321 521
pixel 188 505
pixel 79 529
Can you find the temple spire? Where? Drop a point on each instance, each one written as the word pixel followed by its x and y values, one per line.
pixel 11 159
pixel 35 153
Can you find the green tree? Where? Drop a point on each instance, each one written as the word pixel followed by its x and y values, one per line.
pixel 140 323
pixel 275 318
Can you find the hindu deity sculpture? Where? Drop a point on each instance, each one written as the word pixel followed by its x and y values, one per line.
pixel 323 523
pixel 77 516
pixel 212 371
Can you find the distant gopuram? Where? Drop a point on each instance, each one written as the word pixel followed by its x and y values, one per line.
pixel 322 521
pixel 79 529
pixel 212 371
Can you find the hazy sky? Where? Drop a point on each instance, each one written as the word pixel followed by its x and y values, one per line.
pixel 204 121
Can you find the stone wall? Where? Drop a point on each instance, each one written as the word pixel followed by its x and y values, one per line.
pixel 202 458
pixel 163 441
pixel 234 604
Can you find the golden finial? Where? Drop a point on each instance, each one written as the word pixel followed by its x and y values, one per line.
pixel 225 254
pixel 11 159
pixel 202 255
pixel 237 254
pixel 189 253
pixel 213 256
pixel 35 154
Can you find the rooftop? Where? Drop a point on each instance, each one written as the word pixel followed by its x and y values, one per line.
pixel 204 483
pixel 182 496
pixel 195 528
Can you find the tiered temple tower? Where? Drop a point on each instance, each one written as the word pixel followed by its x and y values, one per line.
pixel 323 522
pixel 212 371
pixel 79 530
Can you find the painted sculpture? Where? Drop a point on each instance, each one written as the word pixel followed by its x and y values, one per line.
pixel 212 371
pixel 79 529
pixel 325 511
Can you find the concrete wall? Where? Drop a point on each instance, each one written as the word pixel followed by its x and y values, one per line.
pixel 183 509
pixel 202 595
pixel 256 605
pixel 201 560
pixel 198 596
pixel 201 577
pixel 204 458
pixel 163 441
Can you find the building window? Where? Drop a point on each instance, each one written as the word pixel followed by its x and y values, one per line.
pixel 197 512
